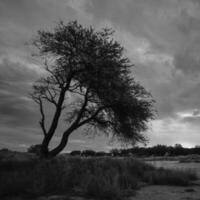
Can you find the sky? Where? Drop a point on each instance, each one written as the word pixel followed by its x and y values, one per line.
pixel 161 38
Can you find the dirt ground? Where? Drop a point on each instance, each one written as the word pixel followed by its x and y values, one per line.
pixel 153 192
pixel 168 193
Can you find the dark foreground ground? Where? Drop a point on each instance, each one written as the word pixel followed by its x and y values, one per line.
pixel 24 176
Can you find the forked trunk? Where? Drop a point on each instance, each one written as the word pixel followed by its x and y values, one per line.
pixel 45 153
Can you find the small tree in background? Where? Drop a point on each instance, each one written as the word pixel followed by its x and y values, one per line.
pixel 36 149
pixel 75 153
pixel 89 67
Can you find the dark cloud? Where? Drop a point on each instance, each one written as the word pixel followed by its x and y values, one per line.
pixel 153 20
pixel 189 97
pixel 196 112
pixel 16 108
pixel 187 23
pixel 172 27
pixel 188 60
pixel 192 120
pixel 17 111
pixel 20 21
pixel 16 72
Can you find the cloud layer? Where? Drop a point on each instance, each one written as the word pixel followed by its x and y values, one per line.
pixel 161 37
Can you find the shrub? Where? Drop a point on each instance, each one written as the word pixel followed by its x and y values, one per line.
pixel 36 149
pixel 75 153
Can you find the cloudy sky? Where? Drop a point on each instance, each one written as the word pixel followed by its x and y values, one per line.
pixel 161 37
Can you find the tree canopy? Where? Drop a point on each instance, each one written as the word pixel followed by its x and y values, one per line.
pixel 91 68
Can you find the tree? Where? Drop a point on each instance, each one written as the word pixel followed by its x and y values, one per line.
pixel 89 66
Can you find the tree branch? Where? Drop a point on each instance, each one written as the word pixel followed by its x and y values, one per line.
pixel 92 116
pixel 74 87
pixel 56 77
pixel 73 126
pixel 51 97
pixel 82 110
pixel 42 121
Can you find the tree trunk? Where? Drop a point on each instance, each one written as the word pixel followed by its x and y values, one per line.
pixel 45 143
pixel 56 117
pixel 44 151
pixel 58 149
pixel 63 142
pixel 66 134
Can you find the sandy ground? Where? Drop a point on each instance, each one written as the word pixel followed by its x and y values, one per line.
pixel 168 193
pixel 153 192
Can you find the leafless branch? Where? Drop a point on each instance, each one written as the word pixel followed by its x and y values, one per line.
pixel 42 121
pixel 51 97
pixel 56 77
pixel 84 105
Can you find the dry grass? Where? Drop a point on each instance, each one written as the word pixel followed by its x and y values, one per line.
pixel 105 178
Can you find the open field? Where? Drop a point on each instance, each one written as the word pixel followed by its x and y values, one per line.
pixel 157 192
pixel 103 177
pixel 186 158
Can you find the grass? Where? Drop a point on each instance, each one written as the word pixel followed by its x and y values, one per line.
pixel 169 177
pixel 104 178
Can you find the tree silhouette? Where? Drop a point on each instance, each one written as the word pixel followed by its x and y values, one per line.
pixel 88 77
pixel 36 149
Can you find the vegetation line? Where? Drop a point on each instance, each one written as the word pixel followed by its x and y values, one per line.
pixel 108 178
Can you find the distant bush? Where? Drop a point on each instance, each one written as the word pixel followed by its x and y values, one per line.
pixel 88 153
pixel 101 153
pixel 158 150
pixel 102 177
pixel 36 149
pixel 75 153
